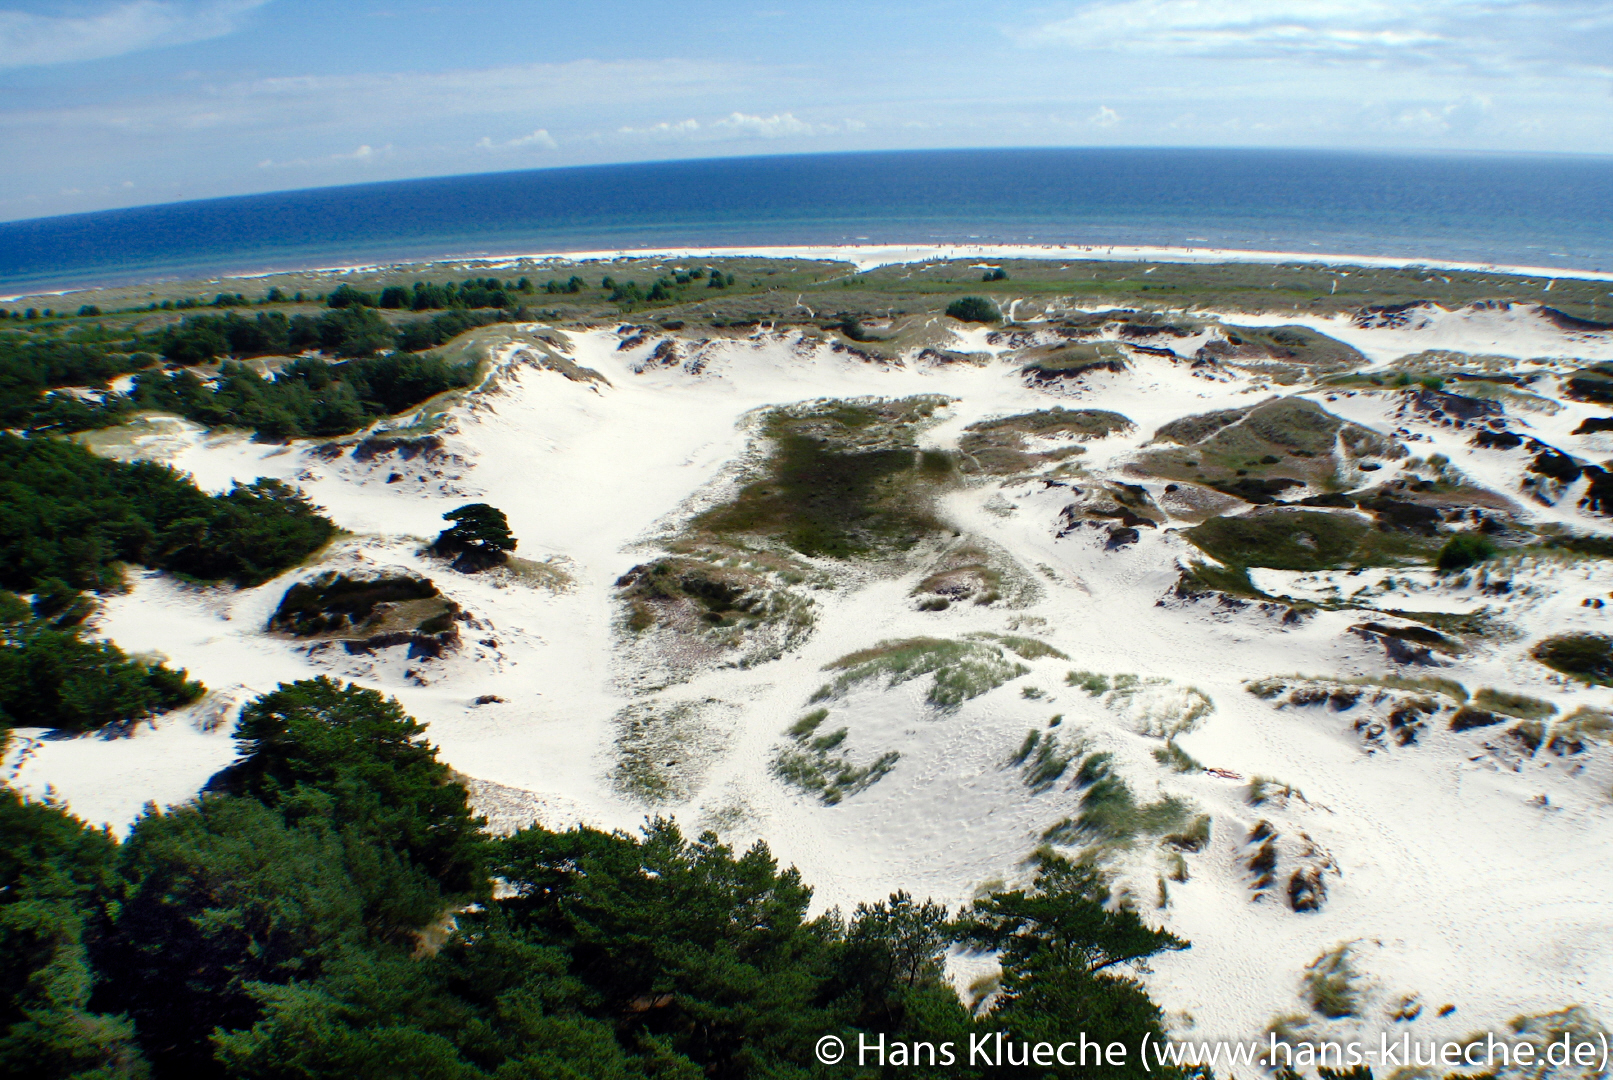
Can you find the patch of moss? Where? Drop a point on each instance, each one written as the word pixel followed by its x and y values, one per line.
pixel 1258 452
pixel 1071 361
pixel 1277 350
pixel 1282 539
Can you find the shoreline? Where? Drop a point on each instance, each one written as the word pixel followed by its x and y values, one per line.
pixel 871 256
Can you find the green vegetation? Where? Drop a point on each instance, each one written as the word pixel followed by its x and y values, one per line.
pixel 1258 452
pixel 663 748
pixel 334 603
pixel 1013 444
pixel 307 397
pixel 962 669
pixel 1043 759
pixel 1285 539
pixel 485 292
pixel 819 763
pixel 723 595
pixel 1283 353
pixel 295 920
pixel 1071 360
pixel 974 309
pixel 69 515
pixel 479 537
pixel 1520 705
pixel 1111 819
pixel 1060 951
pixel 1584 656
pixel 1463 551
pixel 1331 983
pixel 844 480
pixel 69 521
pixel 1174 758
pixel 52 676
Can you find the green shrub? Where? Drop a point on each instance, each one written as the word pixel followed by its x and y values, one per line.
pixel 974 309
pixel 1464 550
pixel 1331 983
pixel 1585 656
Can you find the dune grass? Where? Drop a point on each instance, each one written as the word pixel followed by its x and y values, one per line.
pixel 961 669
pixel 1110 817
pixel 1332 984
pixel 1520 705
pixel 820 764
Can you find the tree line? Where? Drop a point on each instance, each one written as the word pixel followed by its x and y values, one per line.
pixel 326 908
pixel 384 372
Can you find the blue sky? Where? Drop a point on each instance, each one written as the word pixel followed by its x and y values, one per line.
pixel 108 103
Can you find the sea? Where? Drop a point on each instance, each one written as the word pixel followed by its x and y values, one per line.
pixel 1548 211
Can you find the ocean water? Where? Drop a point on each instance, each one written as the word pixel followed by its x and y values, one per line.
pixel 1547 211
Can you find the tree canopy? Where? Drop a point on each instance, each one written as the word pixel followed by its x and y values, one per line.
pixel 325 909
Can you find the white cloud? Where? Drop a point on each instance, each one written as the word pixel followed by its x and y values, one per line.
pixel 1104 117
pixel 29 40
pixel 737 125
pixel 538 140
pixel 664 130
pixel 1497 35
pixel 363 155
pixel 777 126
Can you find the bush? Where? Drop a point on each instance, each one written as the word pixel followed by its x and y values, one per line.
pixel 1585 656
pixel 974 309
pixel 1464 550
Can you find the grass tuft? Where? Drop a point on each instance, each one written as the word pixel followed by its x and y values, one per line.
pixel 1519 705
pixel 1332 984
pixel 962 669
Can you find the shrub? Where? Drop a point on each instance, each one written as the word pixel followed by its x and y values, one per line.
pixel 1519 705
pixel 974 309
pixel 1585 656
pixel 1464 550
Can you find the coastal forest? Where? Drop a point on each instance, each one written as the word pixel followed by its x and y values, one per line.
pixel 331 907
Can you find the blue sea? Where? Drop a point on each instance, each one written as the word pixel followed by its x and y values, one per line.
pixel 1546 211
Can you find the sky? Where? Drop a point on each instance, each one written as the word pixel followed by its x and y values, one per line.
pixel 108 103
